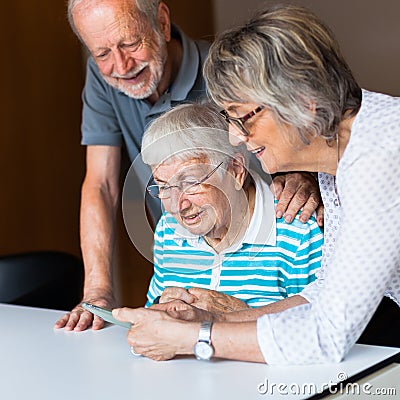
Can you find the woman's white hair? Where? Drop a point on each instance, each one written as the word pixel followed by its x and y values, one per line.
pixel 286 59
pixel 189 131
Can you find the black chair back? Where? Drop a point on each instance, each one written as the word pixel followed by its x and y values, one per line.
pixel 44 279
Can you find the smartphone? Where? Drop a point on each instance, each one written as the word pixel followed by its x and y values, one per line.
pixel 104 314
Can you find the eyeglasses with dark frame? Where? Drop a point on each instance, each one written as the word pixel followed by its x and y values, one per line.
pixel 187 187
pixel 239 122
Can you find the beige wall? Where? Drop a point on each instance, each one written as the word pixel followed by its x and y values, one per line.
pixel 367 30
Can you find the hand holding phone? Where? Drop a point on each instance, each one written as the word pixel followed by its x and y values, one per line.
pixel 104 314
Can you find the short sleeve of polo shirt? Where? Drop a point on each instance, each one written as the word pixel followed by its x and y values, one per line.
pixel 100 125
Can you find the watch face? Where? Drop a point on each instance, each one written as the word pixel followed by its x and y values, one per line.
pixel 203 351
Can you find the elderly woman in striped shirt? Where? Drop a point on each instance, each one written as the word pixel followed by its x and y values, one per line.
pixel 219 246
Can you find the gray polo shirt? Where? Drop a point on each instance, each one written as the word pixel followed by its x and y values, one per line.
pixel 112 118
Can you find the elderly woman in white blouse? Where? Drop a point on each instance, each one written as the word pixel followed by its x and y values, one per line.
pixel 289 95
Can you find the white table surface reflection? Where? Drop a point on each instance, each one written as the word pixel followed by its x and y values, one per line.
pixel 40 363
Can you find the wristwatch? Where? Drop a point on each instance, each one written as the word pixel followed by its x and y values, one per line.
pixel 203 349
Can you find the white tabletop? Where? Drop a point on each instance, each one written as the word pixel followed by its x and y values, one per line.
pixel 40 363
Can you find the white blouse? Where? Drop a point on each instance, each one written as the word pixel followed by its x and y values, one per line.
pixel 361 255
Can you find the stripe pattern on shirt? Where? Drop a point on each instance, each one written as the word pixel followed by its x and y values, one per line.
pixel 257 274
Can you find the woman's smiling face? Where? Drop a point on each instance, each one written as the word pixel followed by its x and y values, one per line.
pixel 270 141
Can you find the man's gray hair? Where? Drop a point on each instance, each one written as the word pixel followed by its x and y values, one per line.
pixel 189 131
pixel 287 60
pixel 148 8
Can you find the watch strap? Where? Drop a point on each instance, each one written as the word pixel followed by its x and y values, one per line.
pixel 205 331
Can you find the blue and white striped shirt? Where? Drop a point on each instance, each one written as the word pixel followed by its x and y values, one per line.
pixel 273 260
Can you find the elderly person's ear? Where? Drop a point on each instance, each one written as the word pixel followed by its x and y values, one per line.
pixel 164 21
pixel 237 168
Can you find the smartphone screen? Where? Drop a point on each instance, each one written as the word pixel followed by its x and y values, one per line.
pixel 104 314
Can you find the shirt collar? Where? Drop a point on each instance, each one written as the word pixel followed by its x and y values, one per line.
pixel 188 70
pixel 184 80
pixel 262 227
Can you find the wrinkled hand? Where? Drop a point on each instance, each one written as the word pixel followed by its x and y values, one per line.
pixel 178 309
pixel 216 302
pixel 176 293
pixel 155 334
pixel 205 299
pixel 294 191
pixel 80 319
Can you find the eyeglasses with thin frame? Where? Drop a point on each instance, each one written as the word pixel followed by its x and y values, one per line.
pixel 187 187
pixel 238 123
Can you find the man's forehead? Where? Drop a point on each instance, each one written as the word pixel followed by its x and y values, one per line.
pixel 95 17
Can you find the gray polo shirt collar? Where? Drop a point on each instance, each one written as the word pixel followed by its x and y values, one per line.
pixel 186 77
pixel 189 68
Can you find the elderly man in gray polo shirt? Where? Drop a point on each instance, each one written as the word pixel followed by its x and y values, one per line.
pixel 140 65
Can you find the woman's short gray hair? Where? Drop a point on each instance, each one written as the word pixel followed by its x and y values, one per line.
pixel 148 8
pixel 286 59
pixel 189 131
